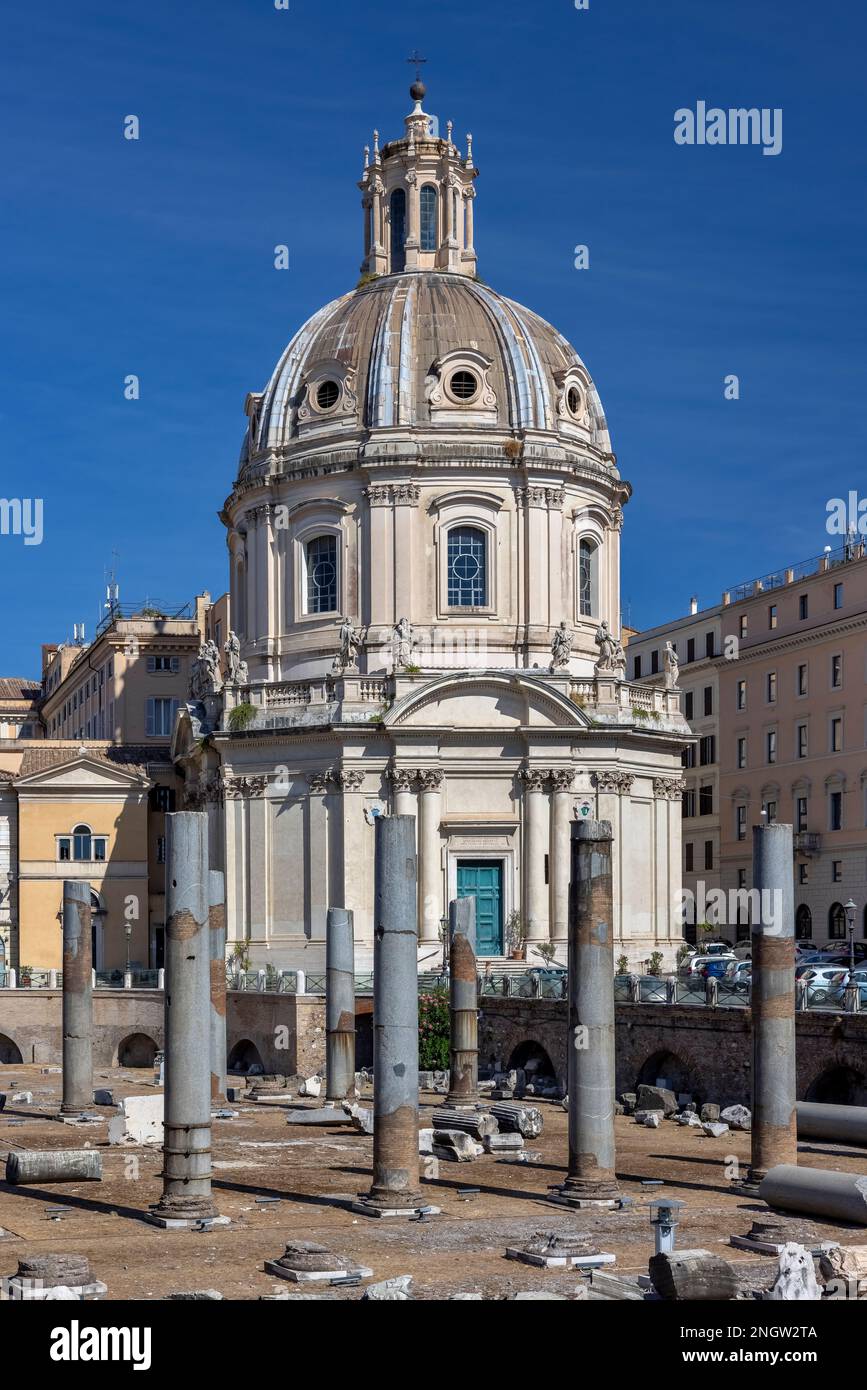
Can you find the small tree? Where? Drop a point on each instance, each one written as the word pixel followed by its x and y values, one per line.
pixel 516 932
pixel 654 965
pixel 547 950
pixel 623 965
pixel 433 1030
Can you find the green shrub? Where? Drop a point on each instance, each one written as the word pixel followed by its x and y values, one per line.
pixel 433 1031
pixel 241 717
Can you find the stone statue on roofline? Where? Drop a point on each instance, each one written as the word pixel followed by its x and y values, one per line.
pixel 671 664
pixel 205 678
pixel 561 647
pixel 612 660
pixel 350 641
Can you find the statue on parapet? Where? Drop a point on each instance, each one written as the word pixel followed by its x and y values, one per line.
pixel 350 641
pixel 672 666
pixel 205 678
pixel 561 647
pixel 612 659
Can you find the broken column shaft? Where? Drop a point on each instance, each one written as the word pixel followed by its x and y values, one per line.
pixel 395 1017
pixel 217 935
pixel 187 1132
pixel 590 1040
pixel 77 999
pixel 340 1005
pixel 463 1004
pixel 773 1131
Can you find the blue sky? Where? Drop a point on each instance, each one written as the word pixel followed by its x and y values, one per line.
pixel 155 257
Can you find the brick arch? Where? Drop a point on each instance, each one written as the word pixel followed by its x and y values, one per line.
pixel 10 1052
pixel 677 1065
pixel 135 1050
pixel 242 1055
pixel 838 1083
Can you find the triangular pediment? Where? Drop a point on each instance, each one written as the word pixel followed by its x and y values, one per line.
pixel 83 773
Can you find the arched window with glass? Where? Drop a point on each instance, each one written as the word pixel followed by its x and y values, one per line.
pixel 397 212
pixel 467 567
pixel 803 923
pixel 320 564
pixel 588 577
pixel 428 212
pixel 82 846
pixel 837 922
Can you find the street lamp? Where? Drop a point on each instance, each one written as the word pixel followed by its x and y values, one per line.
pixel 127 931
pixel 850 909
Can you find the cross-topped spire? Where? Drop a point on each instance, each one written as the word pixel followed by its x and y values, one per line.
pixel 417 61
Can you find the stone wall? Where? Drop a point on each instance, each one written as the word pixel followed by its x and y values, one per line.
pixel 285 1033
pixel 704 1051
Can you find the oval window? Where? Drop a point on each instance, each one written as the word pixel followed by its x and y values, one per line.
pixel 328 395
pixel 463 385
pixel 574 401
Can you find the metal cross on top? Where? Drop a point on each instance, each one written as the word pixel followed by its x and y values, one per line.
pixel 417 61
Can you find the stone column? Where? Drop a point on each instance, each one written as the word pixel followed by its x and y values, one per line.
pixel 77 999
pixel 318 851
pixel 406 497
pixel 590 1038
pixel 773 1133
pixel 402 779
pixel 187 1131
pixel 463 1003
pixel 429 853
pixel 379 578
pixel 395 1020
pixel 340 1006
pixel 534 854
pixel 217 932
pixel 561 816
pixel 470 196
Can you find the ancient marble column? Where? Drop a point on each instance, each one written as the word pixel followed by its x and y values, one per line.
pixel 430 877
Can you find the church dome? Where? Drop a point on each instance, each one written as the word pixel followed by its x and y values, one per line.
pixel 423 349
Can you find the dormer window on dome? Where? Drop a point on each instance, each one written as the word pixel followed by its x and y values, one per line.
pixel 458 385
pixel 417 195
pixel 327 394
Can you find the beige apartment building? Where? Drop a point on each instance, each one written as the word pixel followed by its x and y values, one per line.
pixel 697 640
pixel 793 732
pixel 89 799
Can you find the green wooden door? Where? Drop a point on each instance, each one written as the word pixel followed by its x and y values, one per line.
pixel 483 880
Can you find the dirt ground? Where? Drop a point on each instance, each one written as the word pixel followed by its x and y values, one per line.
pixel 315 1172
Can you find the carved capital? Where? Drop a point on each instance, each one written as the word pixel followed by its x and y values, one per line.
pixel 317 782
pixel 378 495
pixel 534 778
pixel 669 788
pixel 562 779
pixel 406 494
pixel 401 778
pixel 350 779
pixel 431 779
pixel 237 788
pixel 618 782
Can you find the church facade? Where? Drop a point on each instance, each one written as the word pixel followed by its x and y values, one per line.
pixel 424 550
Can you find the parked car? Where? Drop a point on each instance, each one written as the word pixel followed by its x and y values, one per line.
pixel 738 975
pixel 822 981
pixel 716 965
pixel 692 966
pixel 859 977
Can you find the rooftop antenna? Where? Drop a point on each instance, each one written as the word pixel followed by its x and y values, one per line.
pixel 112 588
